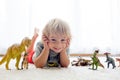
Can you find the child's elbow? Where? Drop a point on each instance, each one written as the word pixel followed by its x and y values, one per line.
pixel 65 65
pixel 38 65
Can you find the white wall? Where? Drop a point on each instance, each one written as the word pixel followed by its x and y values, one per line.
pixel 14 22
pixel 94 23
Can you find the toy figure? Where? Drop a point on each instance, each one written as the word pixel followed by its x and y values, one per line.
pixel 27 57
pixel 53 64
pixel 96 62
pixel 24 62
pixel 15 51
pixel 81 62
pixel 118 59
pixel 109 60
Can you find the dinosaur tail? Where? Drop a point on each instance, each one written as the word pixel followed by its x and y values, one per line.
pixel 3 59
pixel 101 65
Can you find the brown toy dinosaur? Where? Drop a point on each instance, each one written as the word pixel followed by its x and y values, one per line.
pixel 25 61
pixel 15 51
pixel 81 62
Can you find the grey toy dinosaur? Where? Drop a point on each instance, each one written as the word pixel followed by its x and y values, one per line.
pixel 109 60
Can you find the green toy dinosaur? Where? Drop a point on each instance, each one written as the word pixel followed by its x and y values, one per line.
pixel 96 62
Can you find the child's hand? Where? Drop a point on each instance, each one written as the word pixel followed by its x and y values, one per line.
pixel 45 42
pixel 67 45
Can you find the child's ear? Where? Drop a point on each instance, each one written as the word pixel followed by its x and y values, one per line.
pixel 68 40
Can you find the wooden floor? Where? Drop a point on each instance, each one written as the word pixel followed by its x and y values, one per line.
pixel 81 54
pixel 1 55
pixel 74 54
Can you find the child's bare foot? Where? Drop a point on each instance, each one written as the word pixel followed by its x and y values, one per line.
pixel 36 31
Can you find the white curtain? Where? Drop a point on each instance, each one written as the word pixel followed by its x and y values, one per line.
pixel 94 24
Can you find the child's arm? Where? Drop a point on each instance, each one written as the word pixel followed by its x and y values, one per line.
pixel 41 60
pixel 64 59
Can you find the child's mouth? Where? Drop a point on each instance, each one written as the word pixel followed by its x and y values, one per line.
pixel 57 49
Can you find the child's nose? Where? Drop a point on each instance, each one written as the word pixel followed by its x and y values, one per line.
pixel 58 43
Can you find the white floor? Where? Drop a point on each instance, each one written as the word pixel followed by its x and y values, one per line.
pixel 70 73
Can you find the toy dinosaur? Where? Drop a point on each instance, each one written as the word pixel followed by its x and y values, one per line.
pixel 118 59
pixel 24 62
pixel 15 51
pixel 109 60
pixel 81 62
pixel 96 62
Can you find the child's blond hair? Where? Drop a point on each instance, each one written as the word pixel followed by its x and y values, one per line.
pixel 57 26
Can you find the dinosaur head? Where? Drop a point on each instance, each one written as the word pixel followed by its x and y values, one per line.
pixel 26 41
pixel 106 53
pixel 96 52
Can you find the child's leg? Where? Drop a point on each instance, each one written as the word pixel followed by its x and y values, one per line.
pixel 29 58
pixel 30 49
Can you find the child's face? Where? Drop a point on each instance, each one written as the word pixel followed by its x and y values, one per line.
pixel 57 42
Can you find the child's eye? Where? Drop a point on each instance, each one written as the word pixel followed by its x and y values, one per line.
pixel 63 40
pixel 53 40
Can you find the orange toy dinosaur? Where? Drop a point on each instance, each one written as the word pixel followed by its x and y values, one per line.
pixel 15 51
pixel 118 59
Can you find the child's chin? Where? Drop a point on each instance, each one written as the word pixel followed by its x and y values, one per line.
pixel 57 51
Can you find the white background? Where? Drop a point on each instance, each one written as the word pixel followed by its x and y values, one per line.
pixel 94 24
